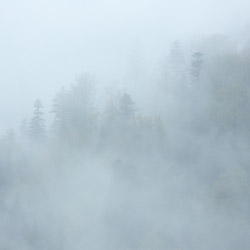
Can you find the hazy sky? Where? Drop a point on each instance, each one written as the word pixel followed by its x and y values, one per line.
pixel 46 43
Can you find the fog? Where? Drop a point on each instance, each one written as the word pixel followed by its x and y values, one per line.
pixel 125 125
pixel 45 44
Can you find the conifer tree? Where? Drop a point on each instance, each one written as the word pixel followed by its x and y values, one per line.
pixel 37 123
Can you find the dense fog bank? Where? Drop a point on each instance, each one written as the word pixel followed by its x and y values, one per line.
pixel 163 164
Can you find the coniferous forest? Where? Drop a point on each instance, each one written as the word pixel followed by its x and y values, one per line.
pixel 162 164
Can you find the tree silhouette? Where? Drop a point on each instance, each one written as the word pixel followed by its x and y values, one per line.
pixel 37 123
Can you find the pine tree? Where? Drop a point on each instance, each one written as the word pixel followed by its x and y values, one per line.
pixel 37 123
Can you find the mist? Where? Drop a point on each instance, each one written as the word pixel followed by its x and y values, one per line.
pixel 125 125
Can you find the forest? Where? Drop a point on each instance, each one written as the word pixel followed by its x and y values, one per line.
pixel 161 166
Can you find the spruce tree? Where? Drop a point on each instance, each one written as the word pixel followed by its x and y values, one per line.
pixel 37 123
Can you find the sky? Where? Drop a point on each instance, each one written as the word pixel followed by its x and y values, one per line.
pixel 45 44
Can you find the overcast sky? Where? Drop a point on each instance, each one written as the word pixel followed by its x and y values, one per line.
pixel 45 44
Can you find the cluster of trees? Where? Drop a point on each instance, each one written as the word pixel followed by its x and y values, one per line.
pixel 216 80
pixel 80 123
pixel 194 148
